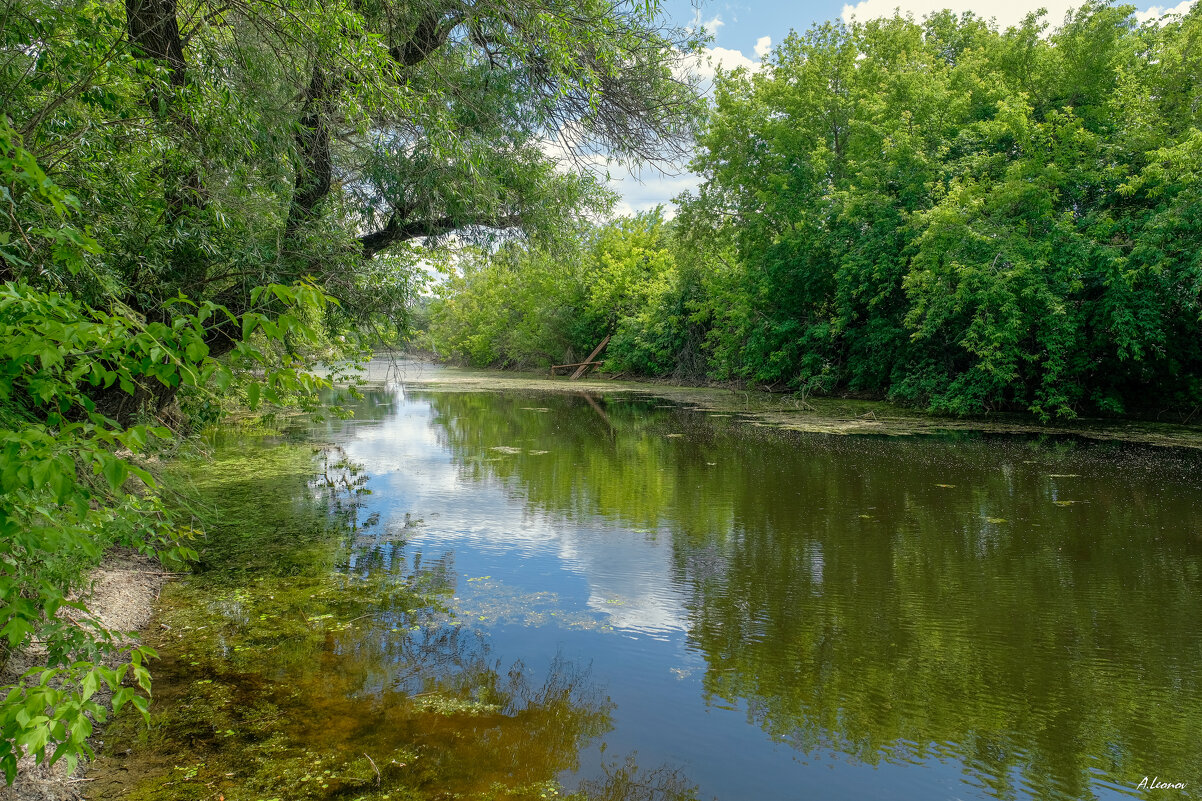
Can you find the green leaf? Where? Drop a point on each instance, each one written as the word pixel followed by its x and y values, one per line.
pixel 122 696
pixel 222 378
pixel 196 351
pixel 115 472
pixel 135 437
pixel 8 763
pixel 90 684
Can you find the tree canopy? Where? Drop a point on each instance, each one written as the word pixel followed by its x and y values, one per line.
pixel 948 214
pixel 967 217
pixel 216 147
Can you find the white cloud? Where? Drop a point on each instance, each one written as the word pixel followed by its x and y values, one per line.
pixel 623 209
pixel 415 471
pixel 709 27
pixel 729 59
pixel 706 64
pixel 1006 13
pixel 651 187
pixel 1157 12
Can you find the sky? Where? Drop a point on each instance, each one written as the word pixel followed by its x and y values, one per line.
pixel 744 32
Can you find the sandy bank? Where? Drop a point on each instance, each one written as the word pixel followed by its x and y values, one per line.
pixel 124 589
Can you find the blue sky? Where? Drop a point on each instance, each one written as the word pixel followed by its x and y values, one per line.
pixel 743 32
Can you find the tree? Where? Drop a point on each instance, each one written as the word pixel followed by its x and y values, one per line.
pixel 962 217
pixel 217 147
pixel 527 304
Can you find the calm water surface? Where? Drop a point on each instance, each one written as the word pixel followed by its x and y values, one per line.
pixel 791 616
pixel 784 616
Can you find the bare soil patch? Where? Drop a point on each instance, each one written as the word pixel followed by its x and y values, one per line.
pixel 123 591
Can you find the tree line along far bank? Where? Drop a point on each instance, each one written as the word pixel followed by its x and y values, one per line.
pixel 942 213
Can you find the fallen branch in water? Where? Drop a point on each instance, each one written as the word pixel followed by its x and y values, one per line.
pixel 373 765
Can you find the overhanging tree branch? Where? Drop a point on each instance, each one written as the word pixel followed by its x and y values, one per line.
pixel 397 231
pixel 431 33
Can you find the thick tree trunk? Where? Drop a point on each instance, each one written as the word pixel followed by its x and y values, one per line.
pixel 154 33
pixel 314 167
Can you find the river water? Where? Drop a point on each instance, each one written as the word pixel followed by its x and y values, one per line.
pixel 663 601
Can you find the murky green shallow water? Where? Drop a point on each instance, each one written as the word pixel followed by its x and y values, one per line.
pixel 505 595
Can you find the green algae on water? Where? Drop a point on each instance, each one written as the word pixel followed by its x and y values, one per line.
pixel 784 411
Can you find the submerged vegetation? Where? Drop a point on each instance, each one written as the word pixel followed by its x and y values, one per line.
pixel 939 212
pixel 311 656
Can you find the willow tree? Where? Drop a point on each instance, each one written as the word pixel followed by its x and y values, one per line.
pixel 220 146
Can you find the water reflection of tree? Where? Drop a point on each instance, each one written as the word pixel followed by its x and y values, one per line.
pixel 468 722
pixel 1030 609
pixel 567 460
pixel 280 659
pixel 628 781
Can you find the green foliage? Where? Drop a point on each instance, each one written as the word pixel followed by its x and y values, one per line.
pixel 527 305
pixel 74 480
pixel 254 145
pixel 957 223
pixel 512 309
pixel 201 199
pixel 939 212
pixel 629 288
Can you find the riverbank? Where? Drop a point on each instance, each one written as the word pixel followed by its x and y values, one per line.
pixel 810 415
pixel 124 588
